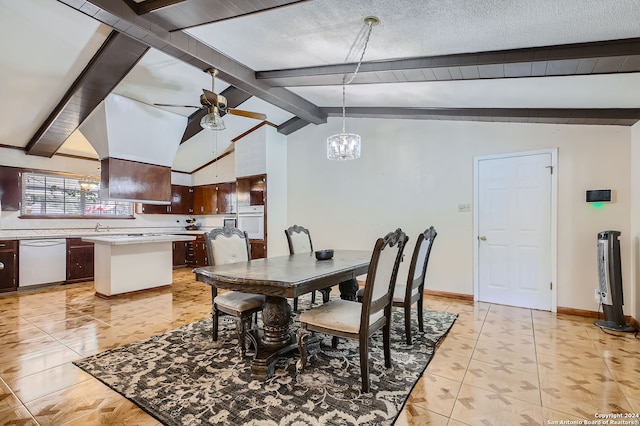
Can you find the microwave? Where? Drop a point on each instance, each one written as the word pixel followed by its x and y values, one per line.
pixel 229 222
pixel 251 221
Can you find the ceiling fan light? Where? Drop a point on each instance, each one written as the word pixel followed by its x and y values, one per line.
pixel 343 146
pixel 212 121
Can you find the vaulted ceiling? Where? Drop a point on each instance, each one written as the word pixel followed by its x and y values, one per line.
pixel 549 61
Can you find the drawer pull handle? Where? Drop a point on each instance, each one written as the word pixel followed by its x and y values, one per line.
pixel 1 266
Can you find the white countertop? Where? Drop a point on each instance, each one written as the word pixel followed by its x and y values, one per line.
pixel 137 238
pixel 41 234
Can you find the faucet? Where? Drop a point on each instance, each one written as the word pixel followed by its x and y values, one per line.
pixel 100 226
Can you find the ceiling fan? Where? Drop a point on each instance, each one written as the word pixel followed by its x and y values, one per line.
pixel 216 103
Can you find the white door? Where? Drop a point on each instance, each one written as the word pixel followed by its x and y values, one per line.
pixel 514 230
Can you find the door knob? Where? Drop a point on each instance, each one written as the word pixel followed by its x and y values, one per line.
pixel 1 266
pixel 482 237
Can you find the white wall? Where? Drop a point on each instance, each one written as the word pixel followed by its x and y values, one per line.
pixel 413 174
pixel 276 160
pixel 632 299
pixel 223 170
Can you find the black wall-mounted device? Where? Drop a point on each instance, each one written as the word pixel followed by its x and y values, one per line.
pixel 598 195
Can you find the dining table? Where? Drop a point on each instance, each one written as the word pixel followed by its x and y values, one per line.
pixel 280 278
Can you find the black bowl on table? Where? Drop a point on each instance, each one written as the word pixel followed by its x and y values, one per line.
pixel 324 254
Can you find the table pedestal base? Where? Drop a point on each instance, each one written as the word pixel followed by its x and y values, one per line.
pixel 264 362
pixel 276 339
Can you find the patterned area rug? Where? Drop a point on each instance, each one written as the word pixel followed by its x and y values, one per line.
pixel 181 377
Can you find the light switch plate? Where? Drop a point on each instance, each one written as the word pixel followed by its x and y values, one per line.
pixel 464 207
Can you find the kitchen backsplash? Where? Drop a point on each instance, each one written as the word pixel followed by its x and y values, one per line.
pixel 12 226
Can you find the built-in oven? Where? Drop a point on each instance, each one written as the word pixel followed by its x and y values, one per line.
pixel 251 220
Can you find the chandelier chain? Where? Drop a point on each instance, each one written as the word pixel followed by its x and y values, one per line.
pixel 344 79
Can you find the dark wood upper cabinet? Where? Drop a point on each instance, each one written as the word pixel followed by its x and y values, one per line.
pixel 226 197
pixel 205 199
pixel 131 180
pixel 218 198
pixel 181 199
pixel 181 202
pixel 251 190
pixel 10 187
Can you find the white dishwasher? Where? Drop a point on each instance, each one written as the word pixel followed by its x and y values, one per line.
pixel 42 261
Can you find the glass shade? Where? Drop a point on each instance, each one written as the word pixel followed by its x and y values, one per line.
pixel 343 146
pixel 212 121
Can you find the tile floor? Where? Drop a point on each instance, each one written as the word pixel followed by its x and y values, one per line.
pixel 499 365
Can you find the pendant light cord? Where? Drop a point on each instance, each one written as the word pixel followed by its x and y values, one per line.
pixel 344 79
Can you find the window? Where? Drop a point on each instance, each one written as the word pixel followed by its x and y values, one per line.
pixel 49 194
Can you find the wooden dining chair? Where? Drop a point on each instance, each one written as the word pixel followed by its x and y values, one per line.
pixel 406 294
pixel 353 320
pixel 230 245
pixel 299 240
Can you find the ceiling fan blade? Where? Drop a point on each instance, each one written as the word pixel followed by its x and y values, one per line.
pixel 211 97
pixel 248 114
pixel 178 106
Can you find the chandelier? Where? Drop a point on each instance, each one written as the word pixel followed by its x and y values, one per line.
pixel 346 146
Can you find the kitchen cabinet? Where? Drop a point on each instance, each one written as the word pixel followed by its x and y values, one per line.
pixel 181 202
pixel 226 197
pixel 197 255
pixel 180 249
pixel 10 187
pixel 205 199
pixel 8 265
pixel 181 199
pixel 258 249
pixel 80 264
pixel 132 180
pixel 251 190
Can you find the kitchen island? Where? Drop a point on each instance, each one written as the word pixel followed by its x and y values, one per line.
pixel 132 262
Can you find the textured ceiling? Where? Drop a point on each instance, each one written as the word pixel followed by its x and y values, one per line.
pixel 48 43
pixel 322 31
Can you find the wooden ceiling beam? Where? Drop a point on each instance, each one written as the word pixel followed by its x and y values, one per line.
pixel 115 58
pixel 177 15
pixel 148 6
pixel 118 15
pixel 595 116
pixel 603 57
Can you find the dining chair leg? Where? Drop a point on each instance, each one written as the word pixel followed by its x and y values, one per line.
pixel 386 344
pixel 407 322
pixel 313 297
pixel 302 333
pixel 364 362
pixel 420 315
pixel 214 315
pixel 214 318
pixel 334 342
pixel 295 304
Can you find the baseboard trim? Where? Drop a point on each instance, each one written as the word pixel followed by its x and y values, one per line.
pixel 448 295
pixel 578 312
pixel 594 314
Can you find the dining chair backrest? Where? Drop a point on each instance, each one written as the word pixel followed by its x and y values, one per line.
pixel 227 245
pixel 299 239
pixel 381 277
pixel 420 259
